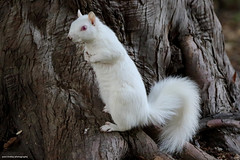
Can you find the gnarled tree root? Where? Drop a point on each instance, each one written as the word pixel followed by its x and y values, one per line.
pixel 191 152
pixel 220 120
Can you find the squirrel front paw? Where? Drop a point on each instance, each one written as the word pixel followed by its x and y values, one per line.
pixel 105 109
pixel 86 56
pixel 89 58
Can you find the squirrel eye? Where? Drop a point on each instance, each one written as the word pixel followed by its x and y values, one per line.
pixel 84 28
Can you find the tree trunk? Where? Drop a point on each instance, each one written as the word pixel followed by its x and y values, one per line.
pixel 50 93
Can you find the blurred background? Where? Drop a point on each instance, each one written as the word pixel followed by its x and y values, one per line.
pixel 228 12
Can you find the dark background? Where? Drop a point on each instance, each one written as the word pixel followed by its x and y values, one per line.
pixel 228 12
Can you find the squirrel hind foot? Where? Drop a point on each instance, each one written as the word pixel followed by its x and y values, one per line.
pixel 109 127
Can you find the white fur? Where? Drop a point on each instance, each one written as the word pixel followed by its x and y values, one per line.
pixel 173 102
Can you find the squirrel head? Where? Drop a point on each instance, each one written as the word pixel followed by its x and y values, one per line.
pixel 84 28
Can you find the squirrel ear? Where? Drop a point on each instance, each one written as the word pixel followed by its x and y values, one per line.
pixel 92 17
pixel 79 13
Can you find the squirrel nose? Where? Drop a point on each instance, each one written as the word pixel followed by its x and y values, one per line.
pixel 70 38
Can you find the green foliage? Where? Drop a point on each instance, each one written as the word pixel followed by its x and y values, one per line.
pixel 236 17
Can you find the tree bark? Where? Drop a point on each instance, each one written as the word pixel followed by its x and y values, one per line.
pixel 50 93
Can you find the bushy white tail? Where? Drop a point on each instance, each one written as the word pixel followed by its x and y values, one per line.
pixel 174 102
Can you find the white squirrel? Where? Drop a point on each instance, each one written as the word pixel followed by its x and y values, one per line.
pixel 172 102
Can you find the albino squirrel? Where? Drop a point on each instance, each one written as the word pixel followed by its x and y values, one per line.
pixel 172 102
